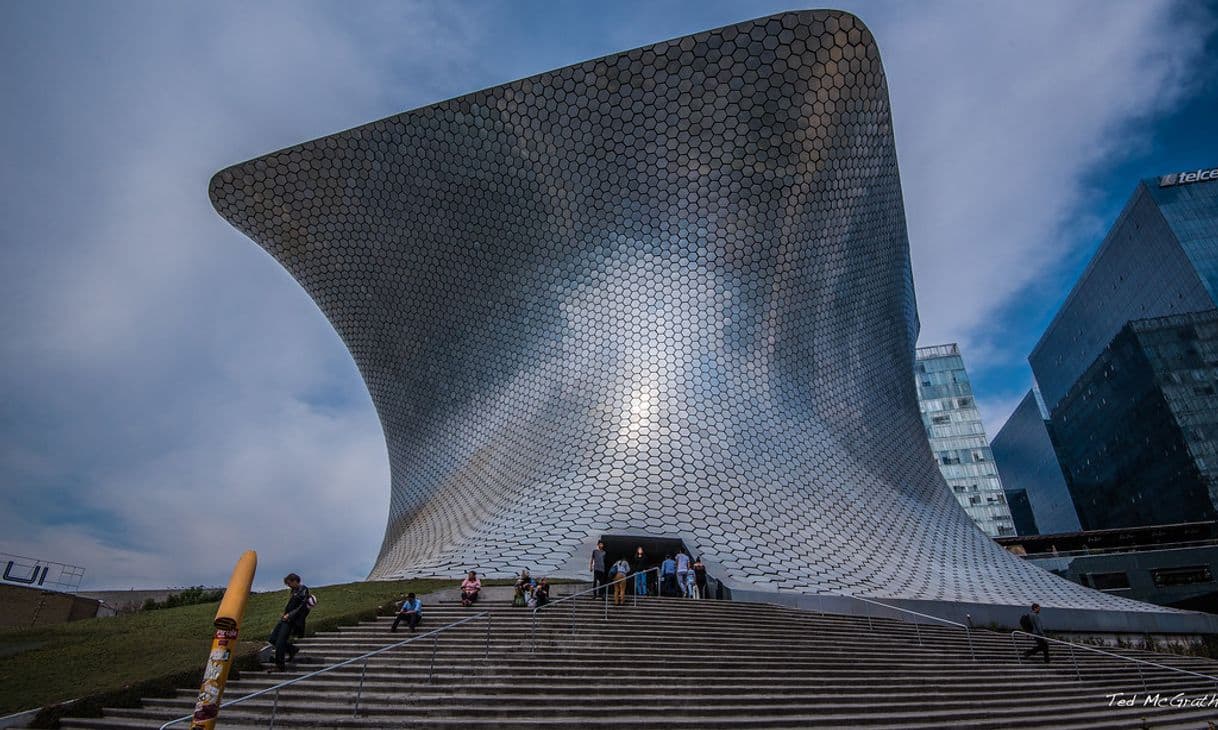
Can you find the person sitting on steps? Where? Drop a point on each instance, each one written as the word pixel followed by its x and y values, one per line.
pixel 411 611
pixel 541 595
pixel 523 589
pixel 469 588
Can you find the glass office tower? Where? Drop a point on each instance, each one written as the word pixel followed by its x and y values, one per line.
pixel 957 438
pixel 1021 511
pixel 1159 259
pixel 1138 433
pixel 1027 462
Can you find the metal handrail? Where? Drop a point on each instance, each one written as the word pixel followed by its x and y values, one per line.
pixel 968 630
pixel 362 657
pixel 605 596
pixel 1078 675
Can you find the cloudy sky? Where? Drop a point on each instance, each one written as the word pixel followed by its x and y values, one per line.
pixel 169 396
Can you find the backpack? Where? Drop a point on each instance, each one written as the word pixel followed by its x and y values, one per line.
pixel 1025 623
pixel 311 601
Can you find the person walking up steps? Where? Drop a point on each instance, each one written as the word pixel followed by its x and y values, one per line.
pixel 620 570
pixel 668 576
pixel 684 576
pixel 699 571
pixel 1030 623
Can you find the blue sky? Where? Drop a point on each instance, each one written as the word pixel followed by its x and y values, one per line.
pixel 169 396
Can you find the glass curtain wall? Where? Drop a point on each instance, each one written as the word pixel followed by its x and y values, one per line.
pixel 957 438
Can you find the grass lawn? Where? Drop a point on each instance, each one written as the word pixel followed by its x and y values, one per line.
pixel 140 652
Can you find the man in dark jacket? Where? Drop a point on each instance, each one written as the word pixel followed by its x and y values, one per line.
pixel 1037 629
pixel 292 623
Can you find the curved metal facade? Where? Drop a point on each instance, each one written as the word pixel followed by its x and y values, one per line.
pixel 665 291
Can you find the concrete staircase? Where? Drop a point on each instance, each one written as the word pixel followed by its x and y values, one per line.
pixel 672 663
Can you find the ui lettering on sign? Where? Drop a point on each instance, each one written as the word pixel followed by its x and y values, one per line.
pixel 1183 178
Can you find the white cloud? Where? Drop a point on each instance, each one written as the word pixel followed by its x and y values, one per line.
pixel 196 402
pixel 1003 112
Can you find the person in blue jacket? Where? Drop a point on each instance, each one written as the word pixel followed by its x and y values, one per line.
pixel 411 612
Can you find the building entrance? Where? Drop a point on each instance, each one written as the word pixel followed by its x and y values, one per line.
pixel 624 546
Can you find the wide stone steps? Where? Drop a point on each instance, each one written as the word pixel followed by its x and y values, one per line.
pixel 419 699
pixel 593 685
pixel 625 713
pixel 672 663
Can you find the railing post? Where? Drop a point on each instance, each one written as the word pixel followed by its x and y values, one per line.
pixel 1077 674
pixel 869 624
pixel 606 602
pixel 534 642
pixel 1141 676
pixel 360 690
pixel 432 671
pixel 918 632
pixel 1015 646
pixel 274 710
pixel 487 653
pixel 572 602
pixel 968 631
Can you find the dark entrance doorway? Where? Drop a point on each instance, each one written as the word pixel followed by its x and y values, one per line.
pixel 623 546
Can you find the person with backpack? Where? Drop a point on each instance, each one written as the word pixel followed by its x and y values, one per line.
pixel 668 576
pixel 292 622
pixel 1030 623
pixel 411 611
pixel 618 574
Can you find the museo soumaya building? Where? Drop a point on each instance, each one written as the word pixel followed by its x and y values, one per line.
pixel 661 294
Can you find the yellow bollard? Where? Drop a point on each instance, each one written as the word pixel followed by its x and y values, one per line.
pixel 224 643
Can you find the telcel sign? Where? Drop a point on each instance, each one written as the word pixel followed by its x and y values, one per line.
pixel 1183 178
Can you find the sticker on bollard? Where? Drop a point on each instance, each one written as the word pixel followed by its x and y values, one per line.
pixel 223 643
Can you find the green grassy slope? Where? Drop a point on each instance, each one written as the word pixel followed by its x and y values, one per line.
pixel 142 651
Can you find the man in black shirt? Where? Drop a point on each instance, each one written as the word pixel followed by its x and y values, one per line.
pixel 292 623
pixel 597 566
